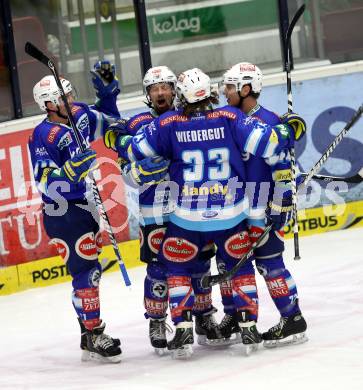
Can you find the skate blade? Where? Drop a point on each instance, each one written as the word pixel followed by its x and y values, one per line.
pixel 234 339
pixel 95 357
pixel 184 352
pixel 248 349
pixel 223 342
pixel 160 351
pixel 298 338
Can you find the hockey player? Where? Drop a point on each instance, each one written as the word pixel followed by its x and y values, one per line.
pixel 155 207
pixel 70 219
pixel 242 87
pixel 204 147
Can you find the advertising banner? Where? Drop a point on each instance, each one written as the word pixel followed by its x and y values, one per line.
pixel 178 23
pixel 22 236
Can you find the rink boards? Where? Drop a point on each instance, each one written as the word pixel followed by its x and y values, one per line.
pixel 52 270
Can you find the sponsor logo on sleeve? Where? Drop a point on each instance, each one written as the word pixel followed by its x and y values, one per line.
pixel 53 133
pixel 139 119
pixel 65 141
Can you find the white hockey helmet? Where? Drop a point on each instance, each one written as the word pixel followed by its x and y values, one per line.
pixel 46 90
pixel 242 74
pixel 159 74
pixel 193 86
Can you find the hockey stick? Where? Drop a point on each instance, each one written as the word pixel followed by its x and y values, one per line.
pixel 211 280
pixel 40 56
pixel 355 179
pixel 288 56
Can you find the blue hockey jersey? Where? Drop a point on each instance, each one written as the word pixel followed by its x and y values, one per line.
pixel 52 144
pixel 207 170
pixel 155 207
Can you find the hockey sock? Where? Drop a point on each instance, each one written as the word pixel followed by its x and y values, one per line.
pixel 181 296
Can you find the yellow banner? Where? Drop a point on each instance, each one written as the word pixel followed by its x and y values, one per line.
pixel 53 270
pixel 328 218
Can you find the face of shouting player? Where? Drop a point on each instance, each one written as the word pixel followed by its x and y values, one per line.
pixel 161 96
pixel 232 96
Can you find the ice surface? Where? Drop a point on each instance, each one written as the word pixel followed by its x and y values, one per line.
pixel 39 334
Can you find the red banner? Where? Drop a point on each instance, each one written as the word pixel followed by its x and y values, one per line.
pixel 22 236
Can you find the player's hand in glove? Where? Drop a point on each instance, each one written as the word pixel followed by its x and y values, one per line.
pixel 296 123
pixel 279 214
pixel 151 170
pixel 77 168
pixel 119 127
pixel 104 80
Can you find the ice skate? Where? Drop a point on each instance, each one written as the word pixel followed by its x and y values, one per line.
pixel 230 330
pixel 157 334
pixel 250 336
pixel 181 345
pixel 206 327
pixel 83 345
pixel 99 346
pixel 290 330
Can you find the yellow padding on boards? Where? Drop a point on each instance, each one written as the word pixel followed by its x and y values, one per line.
pixel 52 270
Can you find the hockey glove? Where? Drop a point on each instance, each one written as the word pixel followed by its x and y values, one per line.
pixel 104 80
pixel 279 214
pixel 296 122
pixel 78 167
pixel 111 133
pixel 151 170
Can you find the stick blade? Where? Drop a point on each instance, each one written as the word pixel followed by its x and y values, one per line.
pixel 34 52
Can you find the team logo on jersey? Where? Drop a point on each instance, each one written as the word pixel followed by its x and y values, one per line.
pixel 159 289
pixel 52 133
pixel 237 245
pixel 155 239
pixel 99 241
pixel 179 250
pixel 65 141
pixel 86 247
pixel 62 248
pixel 83 122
